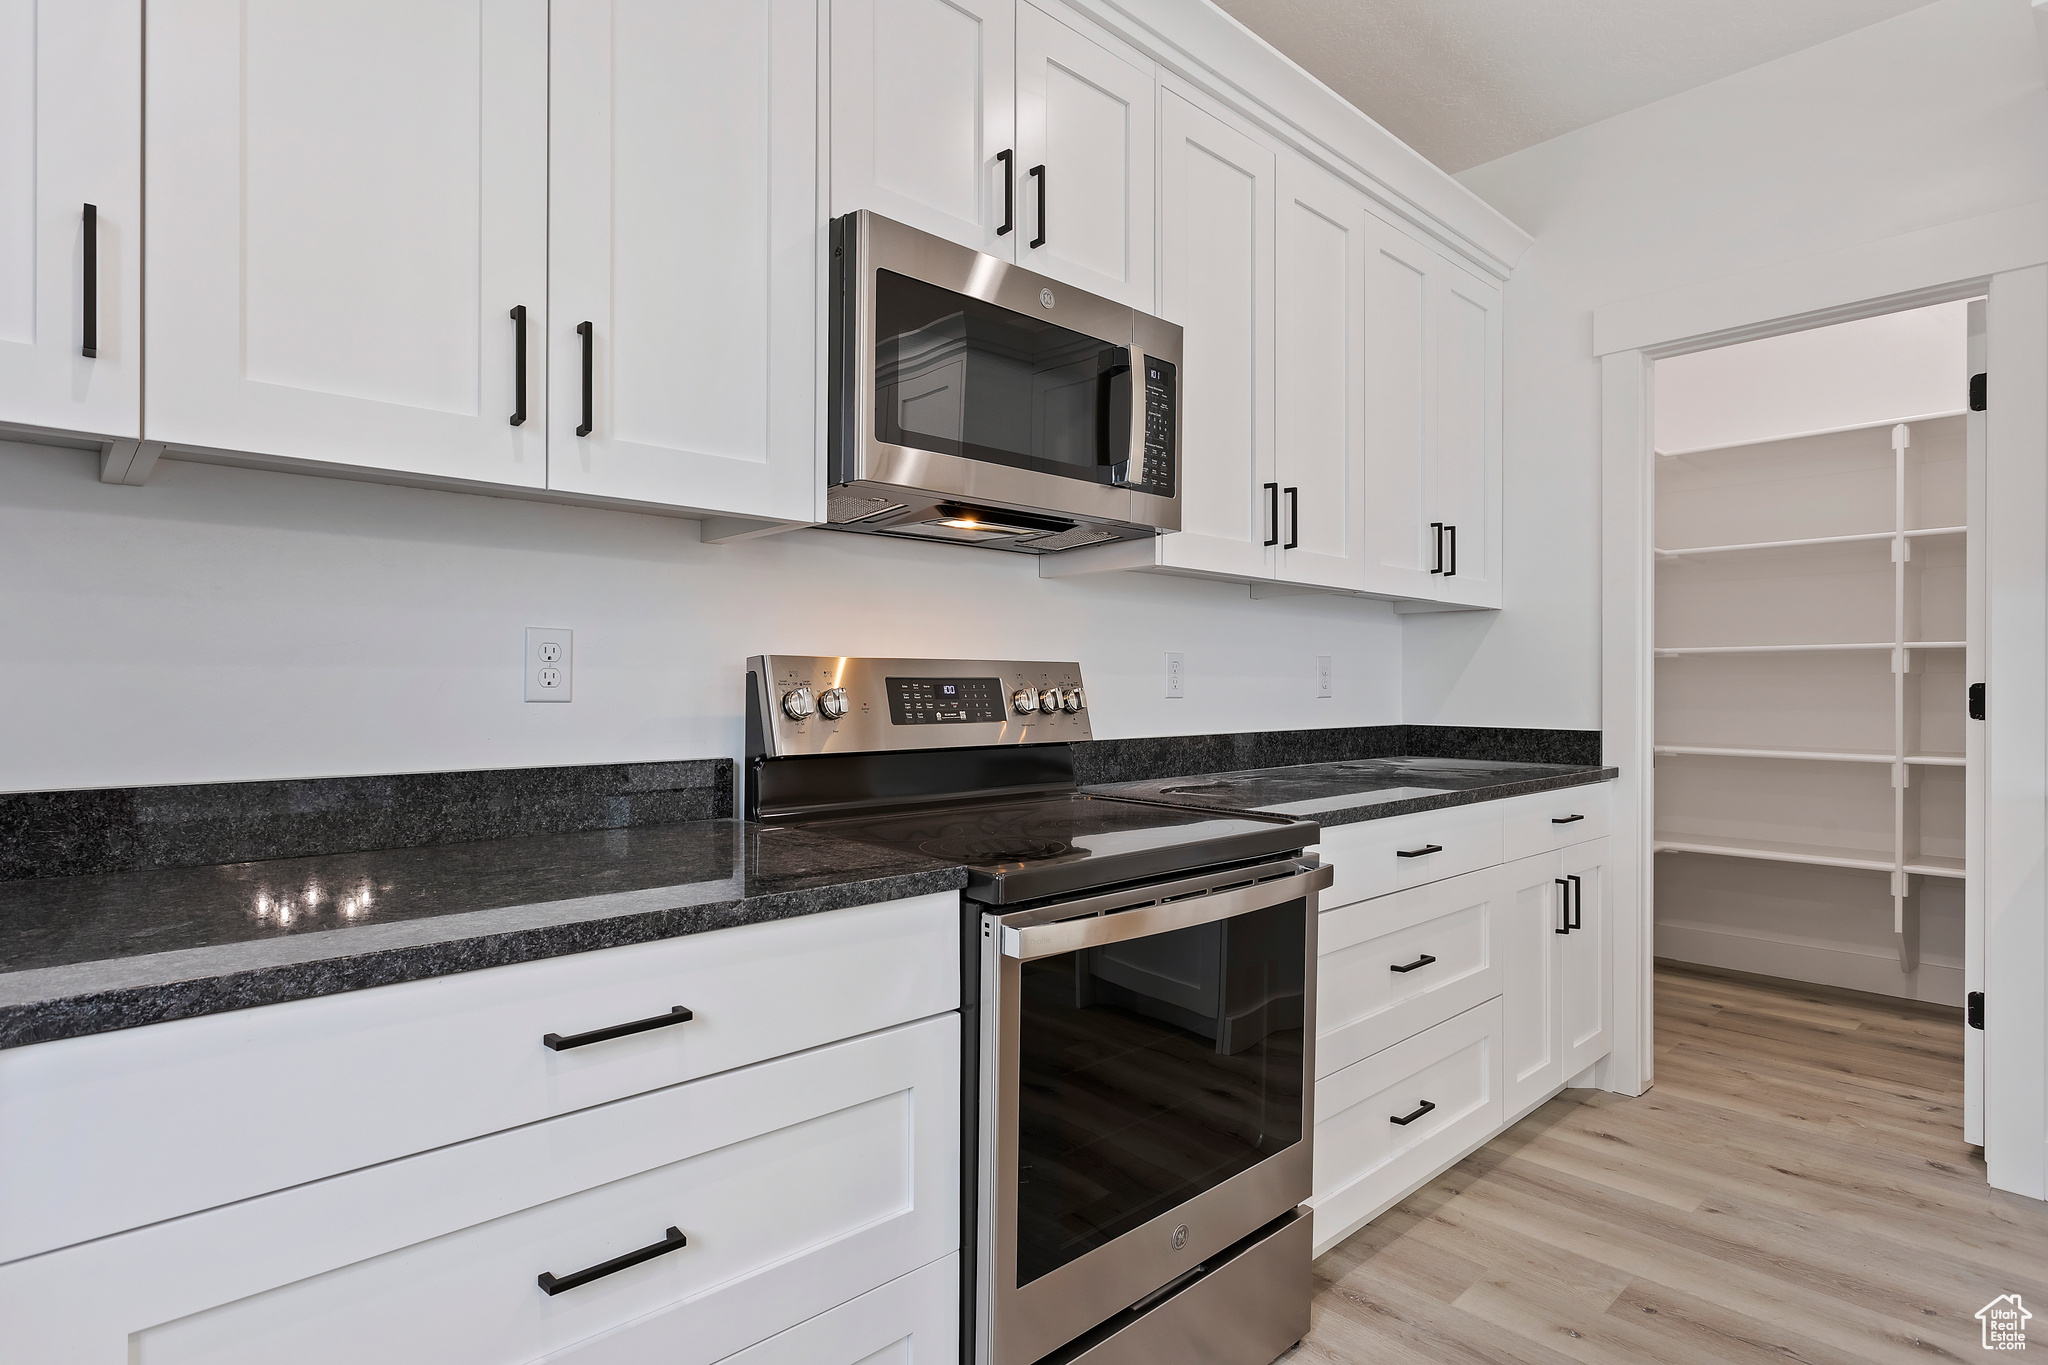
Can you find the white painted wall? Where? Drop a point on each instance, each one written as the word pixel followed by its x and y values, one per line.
pixel 1881 369
pixel 222 624
pixel 1935 116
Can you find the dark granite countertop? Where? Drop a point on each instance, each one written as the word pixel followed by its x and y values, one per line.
pixel 90 954
pixel 1344 793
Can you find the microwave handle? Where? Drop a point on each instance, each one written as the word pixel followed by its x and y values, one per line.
pixel 1126 416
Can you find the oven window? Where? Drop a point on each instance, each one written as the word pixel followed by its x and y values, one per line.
pixel 1151 1071
pixel 962 377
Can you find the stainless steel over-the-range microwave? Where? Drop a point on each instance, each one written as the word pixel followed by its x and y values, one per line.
pixel 977 402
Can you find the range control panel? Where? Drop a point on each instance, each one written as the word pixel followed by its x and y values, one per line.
pixel 804 704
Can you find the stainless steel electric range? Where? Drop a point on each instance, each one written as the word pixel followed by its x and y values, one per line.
pixel 1137 987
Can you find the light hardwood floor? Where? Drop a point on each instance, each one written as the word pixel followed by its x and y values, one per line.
pixel 1795 1187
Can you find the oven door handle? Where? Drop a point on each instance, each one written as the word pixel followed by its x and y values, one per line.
pixel 1028 941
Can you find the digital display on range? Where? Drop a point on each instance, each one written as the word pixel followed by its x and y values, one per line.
pixel 946 701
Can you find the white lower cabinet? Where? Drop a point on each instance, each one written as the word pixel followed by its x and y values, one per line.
pixel 1388 1123
pixel 912 1320
pixel 1454 991
pixel 793 1187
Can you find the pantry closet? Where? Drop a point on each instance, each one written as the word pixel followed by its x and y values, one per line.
pixel 1818 613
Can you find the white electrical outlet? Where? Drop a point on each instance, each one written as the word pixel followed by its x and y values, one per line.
pixel 550 663
pixel 1176 675
pixel 1323 688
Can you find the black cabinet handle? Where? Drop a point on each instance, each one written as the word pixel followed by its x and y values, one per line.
pixel 89 338
pixel 674 1241
pixel 1293 519
pixel 1422 961
pixel 1418 852
pixel 583 330
pixel 1578 899
pixel 1009 191
pixel 1405 1119
pixel 1438 527
pixel 519 365
pixel 1273 512
pixel 678 1015
pixel 1038 174
pixel 1564 906
pixel 1451 566
pixel 1565 819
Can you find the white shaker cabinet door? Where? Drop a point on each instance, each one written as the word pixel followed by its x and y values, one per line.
pixel 346 203
pixel 683 254
pixel 1216 281
pixel 1399 547
pixel 1466 469
pixel 924 117
pixel 1586 961
pixel 1085 123
pixel 1535 914
pixel 1320 376
pixel 71 136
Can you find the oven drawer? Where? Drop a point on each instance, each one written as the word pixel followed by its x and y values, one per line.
pixel 798 1185
pixel 1368 856
pixel 118 1130
pixel 1552 820
pixel 1365 1162
pixel 1392 967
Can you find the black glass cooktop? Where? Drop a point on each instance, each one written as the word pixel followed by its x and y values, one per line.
pixel 1028 849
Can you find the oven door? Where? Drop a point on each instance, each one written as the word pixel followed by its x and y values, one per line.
pixel 1146 1058
pixel 969 380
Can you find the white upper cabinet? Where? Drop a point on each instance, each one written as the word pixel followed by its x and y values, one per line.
pixel 346 203
pixel 1319 328
pixel 1216 281
pixel 1465 493
pixel 923 116
pixel 683 254
pixel 1085 158
pixel 71 136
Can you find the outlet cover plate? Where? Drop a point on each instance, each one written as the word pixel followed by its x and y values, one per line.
pixel 550 663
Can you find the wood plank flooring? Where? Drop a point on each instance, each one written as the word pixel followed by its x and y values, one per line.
pixel 1795 1187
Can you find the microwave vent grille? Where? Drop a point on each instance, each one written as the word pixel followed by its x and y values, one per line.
pixel 1067 540
pixel 841 507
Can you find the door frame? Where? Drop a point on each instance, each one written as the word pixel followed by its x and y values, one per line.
pixel 2003 256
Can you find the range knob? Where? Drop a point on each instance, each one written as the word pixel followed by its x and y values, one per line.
pixel 1024 701
pixel 797 703
pixel 832 703
pixel 1071 700
pixel 1049 700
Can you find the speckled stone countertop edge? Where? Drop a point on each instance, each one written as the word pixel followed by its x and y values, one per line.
pixel 1445 800
pixel 54 1003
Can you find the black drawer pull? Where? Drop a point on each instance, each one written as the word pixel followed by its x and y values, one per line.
pixel 1438 527
pixel 1422 961
pixel 1578 895
pixel 1564 907
pixel 674 1241
pixel 1565 819
pixel 1422 852
pixel 519 365
pixel 678 1015
pixel 1273 513
pixel 89 292
pixel 1038 174
pixel 1405 1120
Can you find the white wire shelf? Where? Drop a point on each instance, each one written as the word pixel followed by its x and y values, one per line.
pixel 1937 760
pixel 1887 424
pixel 1930 865
pixel 1766 850
pixel 1812 755
pixel 1677 651
pixel 1806 542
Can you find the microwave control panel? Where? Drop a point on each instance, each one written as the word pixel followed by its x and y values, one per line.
pixel 1156 476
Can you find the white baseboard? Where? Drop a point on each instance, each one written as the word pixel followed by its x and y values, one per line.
pixel 1849 968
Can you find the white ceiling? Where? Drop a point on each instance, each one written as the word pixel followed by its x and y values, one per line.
pixel 1465 81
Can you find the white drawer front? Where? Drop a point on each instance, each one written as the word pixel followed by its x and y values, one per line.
pixel 912 1320
pixel 1551 820
pixel 1367 856
pixel 1392 967
pixel 1365 1162
pixel 119 1130
pixel 799 1184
